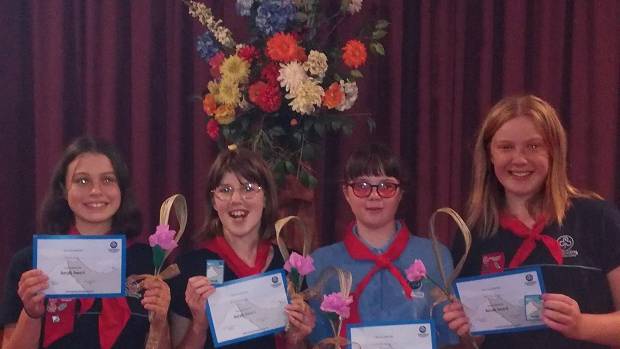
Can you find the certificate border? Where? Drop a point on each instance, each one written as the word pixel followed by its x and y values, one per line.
pixel 217 343
pixel 391 323
pixel 121 237
pixel 532 268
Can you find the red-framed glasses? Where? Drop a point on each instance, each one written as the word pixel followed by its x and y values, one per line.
pixel 363 189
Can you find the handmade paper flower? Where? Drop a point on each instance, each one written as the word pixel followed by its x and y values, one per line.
pixel 416 271
pixel 337 303
pixel 163 237
pixel 303 265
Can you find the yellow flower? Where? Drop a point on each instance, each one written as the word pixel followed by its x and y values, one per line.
pixel 236 69
pixel 225 114
pixel 228 93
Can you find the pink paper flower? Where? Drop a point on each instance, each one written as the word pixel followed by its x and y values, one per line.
pixel 304 265
pixel 337 303
pixel 416 271
pixel 163 237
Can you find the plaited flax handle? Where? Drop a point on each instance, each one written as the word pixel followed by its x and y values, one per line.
pixel 279 225
pixel 447 281
pixel 178 202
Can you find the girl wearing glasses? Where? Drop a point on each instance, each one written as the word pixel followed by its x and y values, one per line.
pixel 239 226
pixel 89 194
pixel 377 249
pixel 524 211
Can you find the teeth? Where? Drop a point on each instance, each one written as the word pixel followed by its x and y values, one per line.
pixel 520 174
pixel 238 214
pixel 95 204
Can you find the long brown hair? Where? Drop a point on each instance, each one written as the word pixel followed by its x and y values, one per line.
pixel 56 217
pixel 486 198
pixel 250 166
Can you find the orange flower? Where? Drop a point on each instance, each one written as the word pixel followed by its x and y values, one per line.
pixel 282 48
pixel 334 96
pixel 208 104
pixel 354 54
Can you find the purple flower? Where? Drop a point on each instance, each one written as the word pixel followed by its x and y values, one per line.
pixel 274 16
pixel 163 237
pixel 304 265
pixel 416 271
pixel 337 303
pixel 244 7
pixel 206 46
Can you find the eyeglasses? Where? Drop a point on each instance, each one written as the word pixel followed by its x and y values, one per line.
pixel 247 191
pixel 384 189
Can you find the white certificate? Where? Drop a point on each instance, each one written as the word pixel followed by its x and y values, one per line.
pixel 247 308
pixel 503 302
pixel 80 265
pixel 392 335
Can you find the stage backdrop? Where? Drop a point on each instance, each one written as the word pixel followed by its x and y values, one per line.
pixel 125 71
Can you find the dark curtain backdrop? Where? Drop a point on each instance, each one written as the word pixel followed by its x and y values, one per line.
pixel 126 71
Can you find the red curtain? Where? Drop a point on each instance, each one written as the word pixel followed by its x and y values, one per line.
pixel 127 70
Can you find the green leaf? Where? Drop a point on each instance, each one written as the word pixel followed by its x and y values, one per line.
pixel 337 77
pixel 320 129
pixel 382 24
pixel 158 256
pixel 301 17
pixel 290 168
pixel 276 131
pixel 356 74
pixel 378 34
pixel 312 181
pixel 377 47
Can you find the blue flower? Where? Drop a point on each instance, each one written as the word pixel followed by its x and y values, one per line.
pixel 244 7
pixel 274 16
pixel 206 46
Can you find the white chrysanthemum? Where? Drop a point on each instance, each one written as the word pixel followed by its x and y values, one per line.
pixel 316 64
pixel 292 75
pixel 306 97
pixel 354 6
pixel 350 95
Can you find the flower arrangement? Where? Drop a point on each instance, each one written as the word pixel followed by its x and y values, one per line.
pixel 298 266
pixel 282 91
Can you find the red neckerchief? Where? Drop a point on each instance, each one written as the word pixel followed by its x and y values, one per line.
pixel 358 251
pixel 530 237
pixel 220 246
pixel 114 315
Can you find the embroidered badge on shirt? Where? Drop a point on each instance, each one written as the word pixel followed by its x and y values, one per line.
pixel 492 263
pixel 567 243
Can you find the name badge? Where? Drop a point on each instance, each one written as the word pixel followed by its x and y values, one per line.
pixel 215 271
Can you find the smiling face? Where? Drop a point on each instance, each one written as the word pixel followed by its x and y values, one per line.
pixel 92 193
pixel 239 213
pixel 373 212
pixel 520 159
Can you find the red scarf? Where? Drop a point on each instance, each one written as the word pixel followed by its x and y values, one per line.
pixel 358 251
pixel 220 246
pixel 114 315
pixel 530 237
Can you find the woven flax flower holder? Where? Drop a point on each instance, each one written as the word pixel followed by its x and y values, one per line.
pixel 179 204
